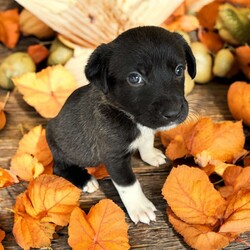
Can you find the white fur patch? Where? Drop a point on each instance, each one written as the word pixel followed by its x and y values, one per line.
pixel 145 144
pixel 91 186
pixel 138 206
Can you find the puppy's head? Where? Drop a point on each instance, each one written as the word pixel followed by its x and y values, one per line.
pixel 142 73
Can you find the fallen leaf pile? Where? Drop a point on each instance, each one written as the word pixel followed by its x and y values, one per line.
pixel 33 156
pixel 206 218
pixel 103 228
pixel 206 141
pixel 47 202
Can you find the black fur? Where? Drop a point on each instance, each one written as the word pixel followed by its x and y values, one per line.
pixel 99 121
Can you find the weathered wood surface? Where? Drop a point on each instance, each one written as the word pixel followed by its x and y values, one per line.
pixel 209 100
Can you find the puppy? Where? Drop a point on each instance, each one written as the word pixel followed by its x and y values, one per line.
pixel 136 87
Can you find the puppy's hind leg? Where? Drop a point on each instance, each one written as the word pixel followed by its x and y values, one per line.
pixel 77 176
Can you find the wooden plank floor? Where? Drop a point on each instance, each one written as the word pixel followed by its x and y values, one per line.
pixel 210 100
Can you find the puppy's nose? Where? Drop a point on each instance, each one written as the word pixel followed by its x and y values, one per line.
pixel 173 111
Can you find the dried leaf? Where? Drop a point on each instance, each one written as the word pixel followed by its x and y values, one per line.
pixel 30 232
pixel 2 118
pixel 9 27
pixel 103 228
pixel 47 202
pixel 198 236
pixel 205 140
pixel 243 58
pixel 210 39
pixel 98 172
pixel 2 236
pixel 46 90
pixel 208 14
pixel 247 161
pixel 33 156
pixel 7 178
pixel 192 196
pixel 38 52
pixel 236 178
pixel 35 144
pixel 2 114
pixel 237 214
pixel 26 167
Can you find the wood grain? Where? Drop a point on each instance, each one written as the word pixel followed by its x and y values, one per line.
pixel 208 100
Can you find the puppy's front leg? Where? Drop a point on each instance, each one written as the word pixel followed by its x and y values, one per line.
pixel 137 205
pixel 148 152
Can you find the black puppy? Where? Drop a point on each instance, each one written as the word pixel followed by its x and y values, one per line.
pixel 136 87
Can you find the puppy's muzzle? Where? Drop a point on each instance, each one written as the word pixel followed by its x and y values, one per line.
pixel 175 109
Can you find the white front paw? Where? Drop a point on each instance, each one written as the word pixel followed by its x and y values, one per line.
pixel 91 186
pixel 153 157
pixel 143 210
pixel 138 206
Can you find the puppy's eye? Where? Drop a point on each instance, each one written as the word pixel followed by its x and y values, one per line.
pixel 135 79
pixel 179 70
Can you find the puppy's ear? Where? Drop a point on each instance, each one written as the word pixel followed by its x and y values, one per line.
pixel 97 67
pixel 190 59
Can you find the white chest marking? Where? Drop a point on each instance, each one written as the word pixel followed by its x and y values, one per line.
pixel 145 144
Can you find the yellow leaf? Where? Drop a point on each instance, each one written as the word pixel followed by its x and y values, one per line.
pixel 192 196
pixel 46 90
pixel 35 144
pixel 7 178
pixel 103 228
pixel 26 167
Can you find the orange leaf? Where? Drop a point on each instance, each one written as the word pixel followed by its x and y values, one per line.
pixel 30 232
pixel 2 114
pixel 35 144
pixel 235 178
pixel 26 166
pixel 210 39
pixel 237 213
pixel 198 236
pixel 38 52
pixel 208 14
pixel 2 118
pixel 7 178
pixel 46 90
pixel 2 236
pixel 98 172
pixel 205 140
pixel 247 161
pixel 33 156
pixel 9 27
pixel 243 57
pixel 47 202
pixel 103 228
pixel 194 201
